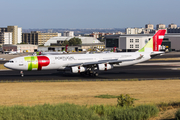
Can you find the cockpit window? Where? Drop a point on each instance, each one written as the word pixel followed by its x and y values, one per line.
pixel 11 61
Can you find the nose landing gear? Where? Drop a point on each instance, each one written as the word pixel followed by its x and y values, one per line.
pixel 21 73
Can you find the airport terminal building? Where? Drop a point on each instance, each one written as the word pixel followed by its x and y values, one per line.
pixel 137 41
pixel 54 44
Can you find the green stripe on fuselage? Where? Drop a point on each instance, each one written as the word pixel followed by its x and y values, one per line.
pixel 32 62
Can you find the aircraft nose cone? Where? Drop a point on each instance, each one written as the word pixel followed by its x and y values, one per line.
pixel 6 65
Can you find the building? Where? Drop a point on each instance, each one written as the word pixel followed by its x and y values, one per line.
pixel 173 30
pixel 87 42
pixel 19 35
pixel 59 40
pixel 68 33
pixel 135 42
pixel 16 34
pixel 172 26
pixel 26 48
pixel 37 38
pixel 14 30
pixel 160 26
pixel 3 30
pixel 134 31
pixel 174 38
pixel 5 38
pixel 20 48
pixel 127 42
pixel 149 26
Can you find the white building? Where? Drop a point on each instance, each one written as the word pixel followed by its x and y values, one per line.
pixel 68 33
pixel 133 42
pixel 160 26
pixel 26 48
pixel 85 40
pixel 6 38
pixel 134 30
pixel 127 42
pixel 19 35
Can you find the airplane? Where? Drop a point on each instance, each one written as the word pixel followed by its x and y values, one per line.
pixel 13 52
pixel 88 64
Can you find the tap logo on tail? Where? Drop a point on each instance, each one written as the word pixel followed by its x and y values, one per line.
pixel 37 62
pixel 157 39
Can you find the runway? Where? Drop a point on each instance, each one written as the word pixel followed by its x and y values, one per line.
pixel 139 72
pixel 169 69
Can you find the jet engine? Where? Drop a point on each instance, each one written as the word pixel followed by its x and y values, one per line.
pixel 78 69
pixel 105 66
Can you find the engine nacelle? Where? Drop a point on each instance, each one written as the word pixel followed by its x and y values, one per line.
pixel 78 69
pixel 105 66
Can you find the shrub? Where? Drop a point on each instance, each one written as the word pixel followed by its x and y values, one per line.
pixel 142 112
pixel 178 115
pixel 106 96
pixel 125 100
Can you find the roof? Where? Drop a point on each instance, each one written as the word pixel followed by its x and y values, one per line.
pixel 129 35
pixel 85 40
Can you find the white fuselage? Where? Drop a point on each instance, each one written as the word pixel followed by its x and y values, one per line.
pixel 61 62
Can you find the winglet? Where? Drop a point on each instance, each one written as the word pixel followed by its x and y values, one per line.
pixel 155 42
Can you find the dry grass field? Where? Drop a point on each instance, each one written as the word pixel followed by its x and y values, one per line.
pixel 2 67
pixel 155 91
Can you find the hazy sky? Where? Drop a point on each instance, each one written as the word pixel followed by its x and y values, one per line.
pixel 88 13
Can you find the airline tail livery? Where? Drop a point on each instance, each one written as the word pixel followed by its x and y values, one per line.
pixel 87 64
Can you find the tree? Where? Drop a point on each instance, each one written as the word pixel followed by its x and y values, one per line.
pixel 65 43
pixel 75 41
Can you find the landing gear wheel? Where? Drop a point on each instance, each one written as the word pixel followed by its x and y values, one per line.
pixel 96 74
pixel 22 74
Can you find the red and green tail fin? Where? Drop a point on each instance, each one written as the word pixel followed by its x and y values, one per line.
pixel 155 42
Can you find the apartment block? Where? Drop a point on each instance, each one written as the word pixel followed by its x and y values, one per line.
pixel 19 35
pixel 14 30
pixel 3 30
pixel 37 38
pixel 149 26
pixel 160 26
pixel 172 26
pixel 5 38
pixel 68 33
pixel 134 30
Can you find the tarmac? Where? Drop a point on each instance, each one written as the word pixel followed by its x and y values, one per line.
pixel 149 70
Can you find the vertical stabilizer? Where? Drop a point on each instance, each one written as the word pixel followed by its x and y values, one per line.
pixel 155 42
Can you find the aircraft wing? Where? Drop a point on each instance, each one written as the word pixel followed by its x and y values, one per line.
pixel 110 61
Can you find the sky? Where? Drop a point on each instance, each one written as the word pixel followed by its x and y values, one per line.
pixel 49 14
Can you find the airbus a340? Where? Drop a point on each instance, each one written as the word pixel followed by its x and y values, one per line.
pixel 88 64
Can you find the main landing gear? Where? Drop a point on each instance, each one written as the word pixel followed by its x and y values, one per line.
pixel 21 73
pixel 90 73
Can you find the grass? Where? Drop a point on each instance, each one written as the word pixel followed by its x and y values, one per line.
pixel 75 112
pixel 160 92
pixel 82 93
pixel 48 112
pixel 2 67
pixel 166 106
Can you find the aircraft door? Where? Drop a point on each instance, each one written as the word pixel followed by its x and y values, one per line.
pixel 53 60
pixel 21 62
